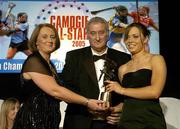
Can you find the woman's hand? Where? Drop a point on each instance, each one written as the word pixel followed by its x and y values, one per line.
pixel 114 86
pixel 95 105
pixel 114 116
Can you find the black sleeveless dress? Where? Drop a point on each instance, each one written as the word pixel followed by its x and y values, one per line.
pixel 39 110
pixel 138 113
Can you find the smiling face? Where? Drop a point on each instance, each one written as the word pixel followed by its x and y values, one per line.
pixel 98 36
pixel 135 41
pixel 46 40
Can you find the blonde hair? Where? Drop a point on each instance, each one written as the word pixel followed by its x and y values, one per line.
pixel 6 106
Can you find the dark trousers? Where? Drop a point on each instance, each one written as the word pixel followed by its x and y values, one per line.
pixel 98 124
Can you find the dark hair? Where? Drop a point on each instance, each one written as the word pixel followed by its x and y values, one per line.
pixel 141 27
pixel 121 8
pixel 146 8
pixel 97 20
pixel 21 14
pixel 35 33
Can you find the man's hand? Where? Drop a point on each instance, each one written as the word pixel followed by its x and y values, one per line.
pixel 100 114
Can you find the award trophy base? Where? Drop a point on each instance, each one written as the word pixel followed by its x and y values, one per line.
pixel 106 97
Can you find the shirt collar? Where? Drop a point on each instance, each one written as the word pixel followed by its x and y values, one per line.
pixel 95 53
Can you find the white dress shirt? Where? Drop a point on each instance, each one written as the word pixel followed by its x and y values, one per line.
pixel 99 65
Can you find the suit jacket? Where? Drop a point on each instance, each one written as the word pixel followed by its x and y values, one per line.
pixel 79 75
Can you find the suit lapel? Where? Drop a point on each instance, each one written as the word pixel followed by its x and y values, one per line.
pixel 109 53
pixel 89 65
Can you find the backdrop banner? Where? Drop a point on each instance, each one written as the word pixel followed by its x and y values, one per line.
pixel 70 18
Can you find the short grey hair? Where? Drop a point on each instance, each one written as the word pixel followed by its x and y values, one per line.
pixel 97 20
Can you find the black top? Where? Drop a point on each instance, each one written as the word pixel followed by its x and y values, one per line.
pixel 140 113
pixel 39 110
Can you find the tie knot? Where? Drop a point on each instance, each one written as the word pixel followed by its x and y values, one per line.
pixel 96 57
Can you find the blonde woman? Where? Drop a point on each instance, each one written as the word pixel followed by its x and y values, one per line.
pixel 9 108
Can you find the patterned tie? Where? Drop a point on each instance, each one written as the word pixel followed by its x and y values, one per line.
pixel 96 58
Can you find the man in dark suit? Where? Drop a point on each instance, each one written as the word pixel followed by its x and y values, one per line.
pixel 82 74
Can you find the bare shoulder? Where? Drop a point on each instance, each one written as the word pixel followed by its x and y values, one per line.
pixel 158 60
